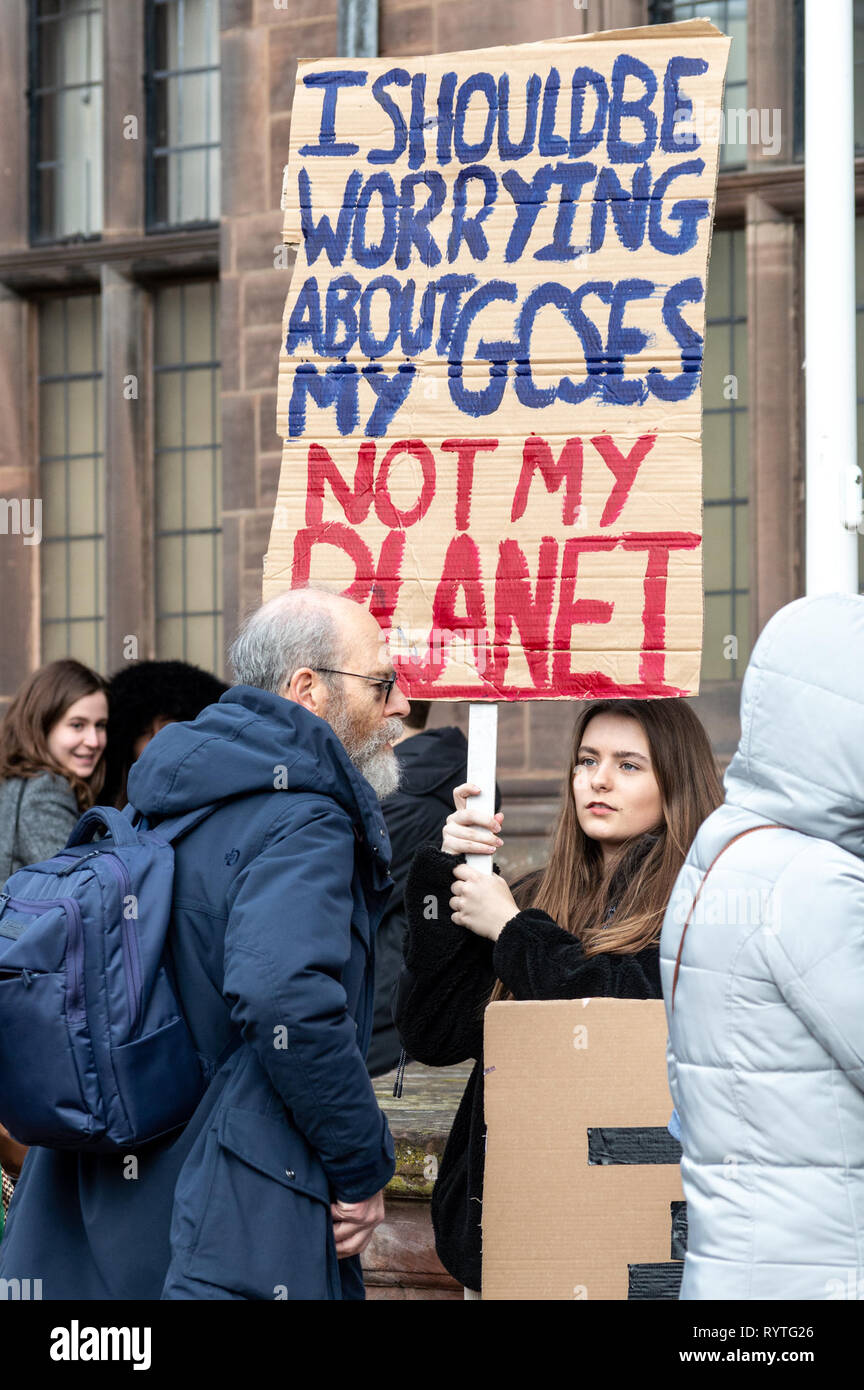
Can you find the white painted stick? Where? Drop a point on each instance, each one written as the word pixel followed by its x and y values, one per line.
pixel 482 757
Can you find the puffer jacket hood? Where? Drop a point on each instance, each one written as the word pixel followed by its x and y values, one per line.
pixel 766 1025
pixel 252 741
pixel 803 691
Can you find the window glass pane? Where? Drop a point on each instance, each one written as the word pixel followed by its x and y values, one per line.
pixel 83 513
pixel 741 450
pixel 198 407
pixel 742 547
pixel 198 33
pixel 717 366
pixel 168 342
pixel 83 563
pixel 170 492
pixel 183 164
pixel 739 357
pixel 200 328
pixel 203 637
pixel 54 499
pixel 735 25
pixel 202 503
pixel 71 479
pixel 717 555
pixel 716 452
pixel 67 97
pixel 81 415
pixel 194 121
pixel 169 409
pixel 52 419
pixel 79 34
pixel 725 474
pixel 188 475
pixel 730 16
pixel 187 185
pixel 200 572
pixel 719 624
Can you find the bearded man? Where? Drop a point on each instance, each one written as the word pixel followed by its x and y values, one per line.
pixel 273 1188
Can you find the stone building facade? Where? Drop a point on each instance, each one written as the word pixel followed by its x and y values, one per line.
pixel 138 343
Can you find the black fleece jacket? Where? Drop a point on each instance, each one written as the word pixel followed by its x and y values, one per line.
pixel 442 993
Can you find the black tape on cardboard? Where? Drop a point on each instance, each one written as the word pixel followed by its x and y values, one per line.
pixel 650 1282
pixel 640 1144
pixel 679 1230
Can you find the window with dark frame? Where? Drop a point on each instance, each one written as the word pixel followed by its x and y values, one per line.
pixel 71 479
pixel 725 463
pixel 188 474
pixel 182 92
pixel 65 94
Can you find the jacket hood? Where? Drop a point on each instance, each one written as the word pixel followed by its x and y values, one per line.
pixel 432 758
pixel 252 741
pixel 800 760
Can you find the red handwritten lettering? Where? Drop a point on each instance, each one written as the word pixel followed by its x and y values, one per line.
pixel 377 583
pixel 466 451
pixel 530 613
pixel 385 507
pixel 354 503
pixel 537 455
pixel 624 467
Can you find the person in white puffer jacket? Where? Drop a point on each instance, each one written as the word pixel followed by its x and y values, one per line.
pixel 766 1030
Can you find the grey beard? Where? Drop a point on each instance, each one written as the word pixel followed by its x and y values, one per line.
pixel 371 755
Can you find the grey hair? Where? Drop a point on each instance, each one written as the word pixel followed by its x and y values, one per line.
pixel 287 633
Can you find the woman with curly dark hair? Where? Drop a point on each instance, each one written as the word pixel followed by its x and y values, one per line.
pixel 145 696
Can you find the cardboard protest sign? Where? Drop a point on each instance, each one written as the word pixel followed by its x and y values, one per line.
pixel 582 1189
pixel 489 385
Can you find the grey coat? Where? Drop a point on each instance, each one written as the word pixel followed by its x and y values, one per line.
pixel 48 811
pixel 766 1038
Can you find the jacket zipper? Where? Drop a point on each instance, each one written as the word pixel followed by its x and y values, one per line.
pixel 75 952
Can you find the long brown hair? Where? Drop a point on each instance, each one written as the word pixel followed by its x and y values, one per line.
pixel 576 889
pixel 41 701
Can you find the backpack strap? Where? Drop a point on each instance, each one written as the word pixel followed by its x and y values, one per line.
pixel 107 819
pixel 739 836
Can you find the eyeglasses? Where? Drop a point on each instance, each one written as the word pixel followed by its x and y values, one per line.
pixel 386 682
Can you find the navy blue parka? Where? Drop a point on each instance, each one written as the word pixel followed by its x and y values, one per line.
pixel 277 896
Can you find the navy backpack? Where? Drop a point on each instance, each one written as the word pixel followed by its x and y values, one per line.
pixel 94 1051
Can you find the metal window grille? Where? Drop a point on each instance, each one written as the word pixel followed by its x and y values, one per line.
pixel 188 481
pixel 730 16
pixel 725 461
pixel 72 479
pixel 182 104
pixel 65 100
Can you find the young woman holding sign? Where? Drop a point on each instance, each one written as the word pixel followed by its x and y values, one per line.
pixel 640 781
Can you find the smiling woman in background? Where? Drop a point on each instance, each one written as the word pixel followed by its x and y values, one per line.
pixel 52 741
pixel 640 780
